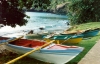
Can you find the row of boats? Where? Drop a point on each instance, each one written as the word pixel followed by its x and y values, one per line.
pixel 74 37
pixel 50 48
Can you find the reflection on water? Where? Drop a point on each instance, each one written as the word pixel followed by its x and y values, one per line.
pixel 49 21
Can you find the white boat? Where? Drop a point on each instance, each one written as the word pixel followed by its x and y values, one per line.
pixel 53 53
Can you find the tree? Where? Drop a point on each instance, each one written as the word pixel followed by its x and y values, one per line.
pixel 82 11
pixel 54 3
pixel 41 5
pixel 12 13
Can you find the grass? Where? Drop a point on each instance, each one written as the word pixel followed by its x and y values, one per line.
pixel 85 26
pixel 87 44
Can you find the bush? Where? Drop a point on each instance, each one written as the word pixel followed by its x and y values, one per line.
pixel 82 11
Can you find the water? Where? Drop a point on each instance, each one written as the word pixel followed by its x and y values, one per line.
pixel 49 21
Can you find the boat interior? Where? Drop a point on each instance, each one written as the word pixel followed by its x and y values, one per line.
pixel 26 42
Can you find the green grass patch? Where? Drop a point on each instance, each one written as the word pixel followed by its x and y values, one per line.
pixel 85 26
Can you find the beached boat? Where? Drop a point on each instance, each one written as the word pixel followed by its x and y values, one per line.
pixel 85 33
pixel 53 53
pixel 34 36
pixel 5 40
pixel 59 39
pixel 90 33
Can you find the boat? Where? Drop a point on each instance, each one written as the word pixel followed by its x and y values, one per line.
pixel 90 33
pixel 6 40
pixel 59 39
pixel 53 53
pixel 85 33
pixel 34 36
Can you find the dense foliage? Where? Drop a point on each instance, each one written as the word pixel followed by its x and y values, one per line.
pixel 82 11
pixel 53 6
pixel 41 5
pixel 11 11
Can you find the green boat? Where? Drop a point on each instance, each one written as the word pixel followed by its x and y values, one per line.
pixel 59 39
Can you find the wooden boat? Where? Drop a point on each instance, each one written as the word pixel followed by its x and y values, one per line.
pixel 33 36
pixel 5 40
pixel 53 53
pixel 85 33
pixel 73 32
pixel 65 38
pixel 90 33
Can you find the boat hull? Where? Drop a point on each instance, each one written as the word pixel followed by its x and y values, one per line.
pixel 51 56
pixel 34 36
pixel 90 33
pixel 85 33
pixel 75 39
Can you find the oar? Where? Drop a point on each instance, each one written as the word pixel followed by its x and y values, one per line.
pixel 38 48
pixel 10 40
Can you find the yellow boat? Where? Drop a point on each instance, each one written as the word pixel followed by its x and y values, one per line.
pixel 59 39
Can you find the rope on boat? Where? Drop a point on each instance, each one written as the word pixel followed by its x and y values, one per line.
pixel 38 48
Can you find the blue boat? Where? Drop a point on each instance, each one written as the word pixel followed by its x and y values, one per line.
pixel 90 33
